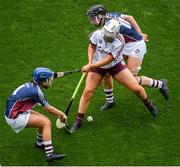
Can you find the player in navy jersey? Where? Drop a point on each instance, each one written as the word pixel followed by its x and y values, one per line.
pixel 134 51
pixel 105 52
pixel 19 113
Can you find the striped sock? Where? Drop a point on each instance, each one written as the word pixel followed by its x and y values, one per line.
pixel 79 118
pixel 109 95
pixel 48 147
pixel 155 83
pixel 39 139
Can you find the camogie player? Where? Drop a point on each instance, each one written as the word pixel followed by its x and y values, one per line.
pixel 134 51
pixel 105 53
pixel 19 113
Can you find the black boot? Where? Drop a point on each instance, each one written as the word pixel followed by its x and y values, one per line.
pixel 164 90
pixel 107 106
pixel 152 109
pixel 54 156
pixel 40 146
pixel 74 127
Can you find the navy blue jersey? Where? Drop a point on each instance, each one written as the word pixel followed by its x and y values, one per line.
pixel 128 32
pixel 23 99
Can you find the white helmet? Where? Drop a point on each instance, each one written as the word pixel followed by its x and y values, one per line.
pixel 110 30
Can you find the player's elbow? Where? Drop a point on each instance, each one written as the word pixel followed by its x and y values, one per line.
pixel 129 18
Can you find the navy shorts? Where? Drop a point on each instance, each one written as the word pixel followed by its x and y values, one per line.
pixel 113 70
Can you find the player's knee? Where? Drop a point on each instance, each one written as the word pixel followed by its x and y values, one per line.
pixel 135 70
pixel 138 79
pixel 46 122
pixel 88 93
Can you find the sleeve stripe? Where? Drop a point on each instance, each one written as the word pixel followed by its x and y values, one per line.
pixel 93 44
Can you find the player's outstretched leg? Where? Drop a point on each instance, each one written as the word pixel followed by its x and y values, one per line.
pixel 164 90
pixel 126 78
pixel 154 83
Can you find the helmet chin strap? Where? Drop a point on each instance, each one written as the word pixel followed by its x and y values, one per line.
pixel 45 84
pixel 98 21
pixel 101 23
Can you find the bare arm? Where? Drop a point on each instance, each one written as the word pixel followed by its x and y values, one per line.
pixel 56 112
pixel 134 24
pixel 100 63
pixel 103 62
pixel 91 50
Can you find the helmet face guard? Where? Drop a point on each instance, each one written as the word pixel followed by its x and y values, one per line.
pixel 95 20
pixel 96 13
pixel 108 39
pixel 110 30
pixel 48 82
pixel 43 76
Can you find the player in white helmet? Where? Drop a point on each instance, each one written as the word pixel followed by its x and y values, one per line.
pixel 105 53
pixel 19 113
pixel 135 49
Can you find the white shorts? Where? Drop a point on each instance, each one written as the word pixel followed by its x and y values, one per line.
pixel 20 122
pixel 135 49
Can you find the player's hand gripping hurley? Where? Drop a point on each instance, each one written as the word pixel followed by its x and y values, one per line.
pixel 71 101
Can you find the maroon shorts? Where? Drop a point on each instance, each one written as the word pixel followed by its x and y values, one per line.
pixel 113 70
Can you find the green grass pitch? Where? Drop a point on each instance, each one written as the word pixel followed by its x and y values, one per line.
pixel 54 34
